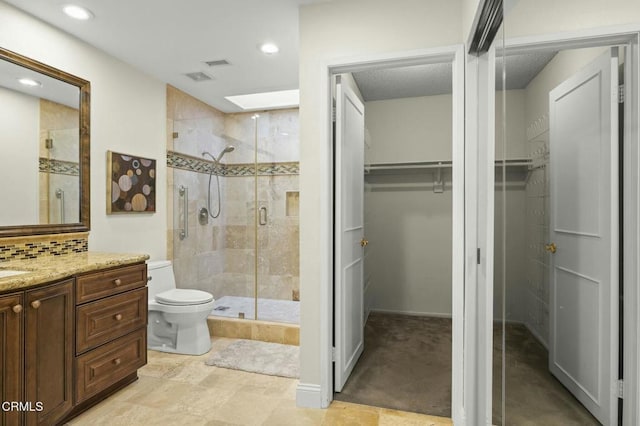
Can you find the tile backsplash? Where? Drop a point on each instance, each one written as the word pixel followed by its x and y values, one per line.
pixel 32 247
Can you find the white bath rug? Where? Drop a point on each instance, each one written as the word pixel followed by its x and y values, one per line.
pixel 255 356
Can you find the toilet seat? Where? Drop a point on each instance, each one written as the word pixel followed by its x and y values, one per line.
pixel 182 297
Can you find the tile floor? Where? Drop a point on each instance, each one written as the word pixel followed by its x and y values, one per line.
pixel 182 390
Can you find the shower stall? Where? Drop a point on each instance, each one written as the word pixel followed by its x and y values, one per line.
pixel 233 218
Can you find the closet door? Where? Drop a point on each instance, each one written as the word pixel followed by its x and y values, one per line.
pixel 583 352
pixel 349 237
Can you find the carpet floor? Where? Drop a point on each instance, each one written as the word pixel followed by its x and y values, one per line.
pixel 406 365
pixel 533 394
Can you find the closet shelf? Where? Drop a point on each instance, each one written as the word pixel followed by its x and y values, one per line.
pixel 418 167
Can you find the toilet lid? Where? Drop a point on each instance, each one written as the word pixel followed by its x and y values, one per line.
pixel 181 296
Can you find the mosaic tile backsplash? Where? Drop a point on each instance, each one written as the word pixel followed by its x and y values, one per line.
pixel 17 248
pixel 186 162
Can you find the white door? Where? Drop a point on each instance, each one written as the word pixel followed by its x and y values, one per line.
pixel 349 196
pixel 583 350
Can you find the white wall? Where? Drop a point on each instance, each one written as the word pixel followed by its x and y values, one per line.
pixel 469 10
pixel 410 129
pixel 329 31
pixel 409 230
pixel 20 124
pixel 127 115
pixel 528 17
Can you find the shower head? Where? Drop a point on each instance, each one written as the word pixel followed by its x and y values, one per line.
pixel 217 159
pixel 226 149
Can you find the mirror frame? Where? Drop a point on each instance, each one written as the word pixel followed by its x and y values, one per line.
pixel 84 126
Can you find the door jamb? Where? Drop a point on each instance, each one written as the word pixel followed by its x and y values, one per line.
pixel 455 55
pixel 628 35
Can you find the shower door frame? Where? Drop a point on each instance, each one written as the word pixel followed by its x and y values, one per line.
pixel 450 54
pixel 629 36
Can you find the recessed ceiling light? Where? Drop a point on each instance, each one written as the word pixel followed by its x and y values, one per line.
pixel 77 12
pixel 30 82
pixel 269 48
pixel 267 100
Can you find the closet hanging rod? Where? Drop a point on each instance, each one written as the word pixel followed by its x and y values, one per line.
pixel 417 165
pixel 439 164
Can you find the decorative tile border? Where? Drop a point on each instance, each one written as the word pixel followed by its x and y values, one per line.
pixel 46 245
pixel 178 160
pixel 59 167
pixel 186 162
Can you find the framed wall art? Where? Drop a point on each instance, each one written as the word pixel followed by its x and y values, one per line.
pixel 131 184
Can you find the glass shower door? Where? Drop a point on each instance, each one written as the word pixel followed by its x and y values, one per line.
pixel 277 196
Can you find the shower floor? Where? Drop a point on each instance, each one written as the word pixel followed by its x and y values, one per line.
pixel 268 309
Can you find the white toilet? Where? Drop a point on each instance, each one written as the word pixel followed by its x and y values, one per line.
pixel 177 317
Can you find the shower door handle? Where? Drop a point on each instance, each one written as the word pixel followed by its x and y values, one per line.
pixel 262 216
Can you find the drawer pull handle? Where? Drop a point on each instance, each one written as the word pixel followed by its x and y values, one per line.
pixel 35 304
pixel 117 281
pixel 116 361
pixel 117 317
pixel 17 309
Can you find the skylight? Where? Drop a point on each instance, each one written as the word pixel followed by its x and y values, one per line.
pixel 267 100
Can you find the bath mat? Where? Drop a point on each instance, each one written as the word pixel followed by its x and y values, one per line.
pixel 255 356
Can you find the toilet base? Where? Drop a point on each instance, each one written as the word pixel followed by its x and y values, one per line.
pixel 191 339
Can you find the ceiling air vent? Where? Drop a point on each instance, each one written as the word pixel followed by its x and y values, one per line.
pixel 198 76
pixel 218 63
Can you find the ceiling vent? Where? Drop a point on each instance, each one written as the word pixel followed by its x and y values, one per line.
pixel 218 63
pixel 198 76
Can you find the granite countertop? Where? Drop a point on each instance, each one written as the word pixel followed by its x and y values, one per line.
pixel 51 268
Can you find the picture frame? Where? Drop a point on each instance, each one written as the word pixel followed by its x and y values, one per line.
pixel 131 184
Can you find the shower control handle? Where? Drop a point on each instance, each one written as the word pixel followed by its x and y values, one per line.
pixel 263 216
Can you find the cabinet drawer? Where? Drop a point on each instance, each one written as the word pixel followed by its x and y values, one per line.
pixel 100 368
pixel 106 319
pixel 106 283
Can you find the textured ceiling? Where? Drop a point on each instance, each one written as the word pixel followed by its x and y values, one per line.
pixel 435 79
pixel 404 82
pixel 521 69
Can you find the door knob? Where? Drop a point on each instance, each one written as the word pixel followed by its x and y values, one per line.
pixel 17 309
pixel 551 248
pixel 35 304
pixel 364 242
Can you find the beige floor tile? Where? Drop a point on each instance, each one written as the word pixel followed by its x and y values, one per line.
pixel 402 418
pixel 345 414
pixel 181 390
pixel 246 409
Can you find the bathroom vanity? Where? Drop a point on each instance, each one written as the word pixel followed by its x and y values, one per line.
pixel 74 332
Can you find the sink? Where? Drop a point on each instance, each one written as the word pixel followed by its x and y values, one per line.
pixel 9 273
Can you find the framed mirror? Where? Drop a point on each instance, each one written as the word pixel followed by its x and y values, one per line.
pixel 44 148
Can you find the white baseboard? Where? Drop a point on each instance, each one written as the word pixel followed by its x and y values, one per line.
pixel 308 396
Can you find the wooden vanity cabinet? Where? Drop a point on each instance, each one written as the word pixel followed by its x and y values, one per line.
pixel 11 354
pixel 111 327
pixel 37 353
pixel 48 342
pixel 72 343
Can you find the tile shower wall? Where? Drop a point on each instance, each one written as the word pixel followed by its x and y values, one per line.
pixel 219 256
pixel 58 163
pixel 538 262
pixel 192 127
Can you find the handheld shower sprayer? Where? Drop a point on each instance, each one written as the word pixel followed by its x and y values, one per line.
pixel 216 160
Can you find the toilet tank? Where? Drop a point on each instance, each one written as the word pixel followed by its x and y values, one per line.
pixel 161 278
